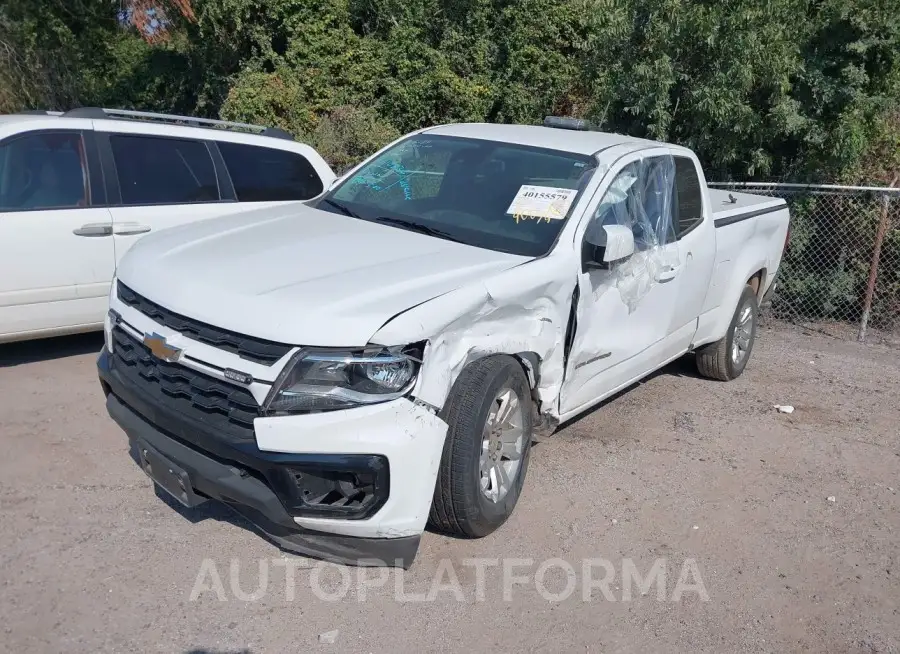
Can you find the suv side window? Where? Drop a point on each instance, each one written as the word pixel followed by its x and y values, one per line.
pixel 155 170
pixel 44 170
pixel 687 209
pixel 262 174
pixel 638 198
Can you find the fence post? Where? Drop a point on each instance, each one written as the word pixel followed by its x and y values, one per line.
pixel 873 267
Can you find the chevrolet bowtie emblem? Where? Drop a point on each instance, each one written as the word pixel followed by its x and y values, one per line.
pixel 160 349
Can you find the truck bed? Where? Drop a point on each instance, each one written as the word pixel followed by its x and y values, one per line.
pixel 730 207
pixel 751 232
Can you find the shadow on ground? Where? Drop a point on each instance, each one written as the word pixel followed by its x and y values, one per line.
pixel 49 349
pixel 681 367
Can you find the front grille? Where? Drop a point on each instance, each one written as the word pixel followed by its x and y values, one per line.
pixel 247 347
pixel 227 409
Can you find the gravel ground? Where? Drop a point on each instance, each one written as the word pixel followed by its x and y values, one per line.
pixel 781 528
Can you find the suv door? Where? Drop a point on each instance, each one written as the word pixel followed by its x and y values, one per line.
pixel 56 248
pixel 624 313
pixel 164 181
pixel 158 182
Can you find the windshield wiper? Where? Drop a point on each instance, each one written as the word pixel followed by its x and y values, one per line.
pixel 417 227
pixel 340 207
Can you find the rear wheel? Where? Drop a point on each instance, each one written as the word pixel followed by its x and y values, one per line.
pixel 486 452
pixel 726 358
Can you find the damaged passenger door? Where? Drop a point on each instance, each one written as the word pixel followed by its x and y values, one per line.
pixel 625 307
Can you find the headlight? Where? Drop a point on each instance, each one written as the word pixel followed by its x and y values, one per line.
pixel 319 380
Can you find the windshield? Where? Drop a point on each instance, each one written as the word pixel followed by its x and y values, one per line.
pixel 500 196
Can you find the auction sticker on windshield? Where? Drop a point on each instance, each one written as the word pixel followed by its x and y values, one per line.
pixel 541 203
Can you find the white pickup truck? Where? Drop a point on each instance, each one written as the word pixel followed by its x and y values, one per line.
pixel 347 370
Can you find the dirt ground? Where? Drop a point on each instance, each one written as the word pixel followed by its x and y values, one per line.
pixel 787 523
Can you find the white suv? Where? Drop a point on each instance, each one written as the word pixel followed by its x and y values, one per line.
pixel 77 189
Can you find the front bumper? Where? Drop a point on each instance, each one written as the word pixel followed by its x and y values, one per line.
pixel 407 436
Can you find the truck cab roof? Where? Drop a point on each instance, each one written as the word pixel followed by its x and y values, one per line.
pixel 586 142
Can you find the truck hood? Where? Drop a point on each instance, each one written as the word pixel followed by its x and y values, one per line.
pixel 298 275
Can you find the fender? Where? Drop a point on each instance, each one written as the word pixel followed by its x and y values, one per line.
pixel 743 269
pixel 521 310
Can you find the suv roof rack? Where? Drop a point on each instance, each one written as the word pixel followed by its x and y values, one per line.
pixel 38 112
pixel 128 114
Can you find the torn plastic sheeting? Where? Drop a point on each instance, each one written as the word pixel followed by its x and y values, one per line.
pixel 639 198
pixel 512 313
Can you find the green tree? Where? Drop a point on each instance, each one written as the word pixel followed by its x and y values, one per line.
pixel 783 89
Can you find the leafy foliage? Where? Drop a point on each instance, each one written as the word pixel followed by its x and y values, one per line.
pixel 795 89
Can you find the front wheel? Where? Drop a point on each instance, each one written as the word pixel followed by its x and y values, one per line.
pixel 486 452
pixel 726 358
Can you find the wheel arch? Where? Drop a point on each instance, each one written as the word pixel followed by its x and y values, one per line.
pixel 748 271
pixel 529 362
pixel 757 281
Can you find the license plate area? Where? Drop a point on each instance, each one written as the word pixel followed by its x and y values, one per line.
pixel 168 476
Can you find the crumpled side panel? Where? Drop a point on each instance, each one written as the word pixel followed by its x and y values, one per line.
pixel 525 309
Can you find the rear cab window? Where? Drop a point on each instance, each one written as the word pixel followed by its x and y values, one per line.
pixel 261 174
pixel 162 170
pixel 687 204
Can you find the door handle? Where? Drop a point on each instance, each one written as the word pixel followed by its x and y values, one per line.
pixel 130 229
pixel 669 273
pixel 94 229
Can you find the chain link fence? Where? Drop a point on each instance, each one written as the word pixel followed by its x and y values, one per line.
pixel 841 272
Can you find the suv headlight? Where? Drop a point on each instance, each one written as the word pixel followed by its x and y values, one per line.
pixel 324 380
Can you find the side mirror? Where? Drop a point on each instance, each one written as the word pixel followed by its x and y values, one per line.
pixel 616 242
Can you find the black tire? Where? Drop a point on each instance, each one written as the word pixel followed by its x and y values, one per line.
pixel 715 360
pixel 459 507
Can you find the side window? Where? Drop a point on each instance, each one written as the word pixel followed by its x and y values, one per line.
pixel 43 170
pixel 638 198
pixel 268 175
pixel 688 197
pixel 155 170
